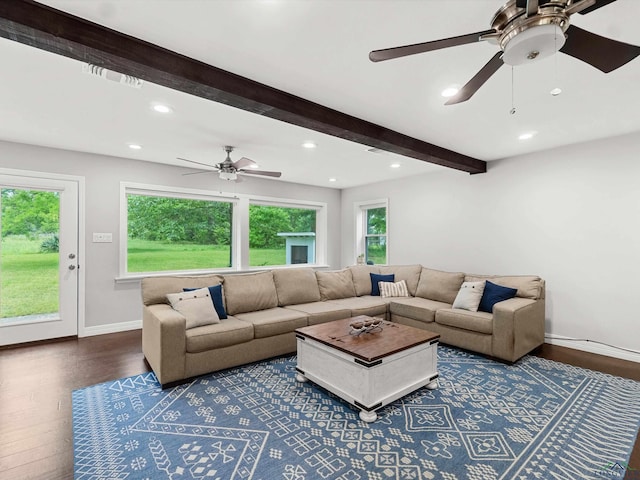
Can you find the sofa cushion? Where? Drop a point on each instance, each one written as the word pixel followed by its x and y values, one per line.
pixel 224 334
pixel 416 308
pixel 336 284
pixel 376 278
pixel 321 312
pixel 469 296
pixel 216 298
pixel 362 278
pixel 196 307
pixel 439 286
pixel 528 286
pixel 480 322
pixel 390 289
pixel 365 305
pixel 408 273
pixel 493 294
pixel 250 292
pixel 274 321
pixel 296 285
pixel 155 289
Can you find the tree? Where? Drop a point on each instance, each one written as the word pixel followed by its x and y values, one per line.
pixel 265 222
pixel 30 212
pixel 179 220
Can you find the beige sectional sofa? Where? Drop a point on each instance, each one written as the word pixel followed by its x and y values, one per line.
pixel 265 308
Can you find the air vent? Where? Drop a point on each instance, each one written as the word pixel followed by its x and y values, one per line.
pixel 102 72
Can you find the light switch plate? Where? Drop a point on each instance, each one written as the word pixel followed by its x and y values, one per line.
pixel 102 237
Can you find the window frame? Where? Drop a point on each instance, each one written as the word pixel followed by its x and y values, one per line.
pixel 321 229
pixel 361 209
pixel 239 227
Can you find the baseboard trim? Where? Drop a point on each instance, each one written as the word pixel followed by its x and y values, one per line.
pixel 110 328
pixel 593 347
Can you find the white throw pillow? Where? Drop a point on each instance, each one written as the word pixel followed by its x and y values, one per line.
pixel 196 306
pixel 469 296
pixel 390 289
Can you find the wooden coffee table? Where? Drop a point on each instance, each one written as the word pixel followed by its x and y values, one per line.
pixel 369 370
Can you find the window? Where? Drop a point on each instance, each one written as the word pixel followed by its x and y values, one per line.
pixel 372 245
pixel 169 229
pixel 171 233
pixel 281 235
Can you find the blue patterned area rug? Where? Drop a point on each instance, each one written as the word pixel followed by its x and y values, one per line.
pixel 536 419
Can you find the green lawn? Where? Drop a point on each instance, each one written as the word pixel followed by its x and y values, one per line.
pixel 151 256
pixel 28 278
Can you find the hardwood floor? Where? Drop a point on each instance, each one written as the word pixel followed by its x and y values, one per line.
pixel 36 381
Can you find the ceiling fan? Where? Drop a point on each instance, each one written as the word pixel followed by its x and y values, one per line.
pixel 229 170
pixel 525 31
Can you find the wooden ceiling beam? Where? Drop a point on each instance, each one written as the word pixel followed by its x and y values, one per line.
pixel 43 27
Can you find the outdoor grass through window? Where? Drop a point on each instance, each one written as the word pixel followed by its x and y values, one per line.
pixel 29 225
pixel 178 231
pixel 166 233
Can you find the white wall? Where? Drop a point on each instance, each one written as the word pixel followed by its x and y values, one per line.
pixel 570 215
pixel 109 303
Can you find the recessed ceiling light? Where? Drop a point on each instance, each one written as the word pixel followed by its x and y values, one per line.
pixel 450 91
pixel 526 136
pixel 162 108
pixel 309 144
pixel 135 146
pixel 556 91
pixel 332 179
pixel 254 165
pixel 395 165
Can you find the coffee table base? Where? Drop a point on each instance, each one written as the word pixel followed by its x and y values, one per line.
pixel 367 385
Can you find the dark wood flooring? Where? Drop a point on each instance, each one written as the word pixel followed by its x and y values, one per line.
pixel 36 381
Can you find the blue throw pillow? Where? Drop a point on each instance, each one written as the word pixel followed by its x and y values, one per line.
pixel 375 278
pixel 493 294
pixel 216 298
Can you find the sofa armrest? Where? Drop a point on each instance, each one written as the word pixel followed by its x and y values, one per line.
pixel 518 327
pixel 164 342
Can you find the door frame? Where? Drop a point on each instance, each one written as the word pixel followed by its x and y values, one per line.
pixel 80 182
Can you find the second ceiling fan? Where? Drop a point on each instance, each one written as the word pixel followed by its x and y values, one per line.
pixel 525 31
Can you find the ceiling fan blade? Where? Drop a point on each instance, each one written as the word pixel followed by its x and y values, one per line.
pixel 478 80
pixel 243 163
pixel 599 4
pixel 197 163
pixel 603 53
pixel 396 52
pixel 199 172
pixel 265 173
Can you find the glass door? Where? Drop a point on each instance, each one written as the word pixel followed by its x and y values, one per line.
pixel 38 258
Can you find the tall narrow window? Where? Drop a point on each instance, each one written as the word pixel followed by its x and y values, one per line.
pixel 170 233
pixel 376 236
pixel 371 232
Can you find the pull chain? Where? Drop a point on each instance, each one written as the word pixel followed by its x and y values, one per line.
pixel 513 106
pixel 556 90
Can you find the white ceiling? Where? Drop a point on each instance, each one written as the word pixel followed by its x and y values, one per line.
pixel 318 50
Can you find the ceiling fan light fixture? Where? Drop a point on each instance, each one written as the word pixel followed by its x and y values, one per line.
pixel 534 43
pixel 230 176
